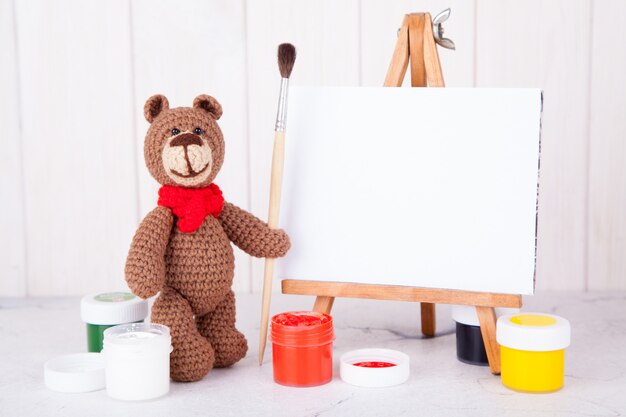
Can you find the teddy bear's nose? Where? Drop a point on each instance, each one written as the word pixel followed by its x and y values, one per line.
pixel 186 139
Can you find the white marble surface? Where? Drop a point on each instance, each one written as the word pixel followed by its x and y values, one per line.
pixel 34 330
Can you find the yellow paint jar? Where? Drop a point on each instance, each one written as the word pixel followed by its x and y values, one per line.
pixel 532 351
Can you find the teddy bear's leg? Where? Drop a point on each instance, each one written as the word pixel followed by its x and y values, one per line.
pixel 218 327
pixel 193 356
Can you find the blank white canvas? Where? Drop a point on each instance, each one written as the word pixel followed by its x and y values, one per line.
pixel 421 187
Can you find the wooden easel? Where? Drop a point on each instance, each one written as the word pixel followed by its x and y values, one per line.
pixel 415 42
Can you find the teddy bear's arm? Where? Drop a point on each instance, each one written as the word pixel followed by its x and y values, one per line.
pixel 251 234
pixel 145 264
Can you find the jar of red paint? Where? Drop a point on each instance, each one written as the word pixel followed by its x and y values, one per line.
pixel 302 348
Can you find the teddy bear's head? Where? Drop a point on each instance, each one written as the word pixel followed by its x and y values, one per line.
pixel 184 146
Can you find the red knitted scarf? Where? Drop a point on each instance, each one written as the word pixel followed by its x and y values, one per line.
pixel 191 205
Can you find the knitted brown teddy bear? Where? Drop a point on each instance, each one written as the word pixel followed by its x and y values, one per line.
pixel 182 247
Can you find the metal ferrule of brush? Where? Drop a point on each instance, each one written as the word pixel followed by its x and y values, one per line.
pixel 281 115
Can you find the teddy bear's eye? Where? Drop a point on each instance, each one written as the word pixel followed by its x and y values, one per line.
pixel 197 131
pixel 175 131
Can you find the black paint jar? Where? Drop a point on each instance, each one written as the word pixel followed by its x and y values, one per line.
pixel 470 347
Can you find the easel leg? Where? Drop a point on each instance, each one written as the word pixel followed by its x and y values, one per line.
pixel 323 304
pixel 428 319
pixel 416 49
pixel 487 320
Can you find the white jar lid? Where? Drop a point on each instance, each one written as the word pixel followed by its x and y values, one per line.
pixel 374 377
pixel 136 338
pixel 79 372
pixel 113 308
pixel 537 332
pixel 467 314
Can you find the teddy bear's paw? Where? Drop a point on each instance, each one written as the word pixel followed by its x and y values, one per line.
pixel 192 358
pixel 144 276
pixel 230 347
pixel 277 243
pixel 144 287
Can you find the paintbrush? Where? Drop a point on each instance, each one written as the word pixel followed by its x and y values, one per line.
pixel 286 59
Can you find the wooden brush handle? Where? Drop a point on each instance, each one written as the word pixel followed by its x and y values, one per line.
pixel 278 156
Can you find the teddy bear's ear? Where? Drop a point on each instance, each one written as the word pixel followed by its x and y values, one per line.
pixel 154 106
pixel 208 104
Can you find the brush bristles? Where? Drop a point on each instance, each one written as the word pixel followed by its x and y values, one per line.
pixel 286 59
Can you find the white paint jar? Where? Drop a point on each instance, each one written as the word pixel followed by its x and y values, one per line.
pixel 137 361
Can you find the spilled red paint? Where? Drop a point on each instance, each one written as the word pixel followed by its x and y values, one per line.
pixel 374 364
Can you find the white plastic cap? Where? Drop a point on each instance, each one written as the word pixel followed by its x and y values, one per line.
pixel 533 332
pixel 374 377
pixel 80 372
pixel 136 337
pixel 113 308
pixel 467 314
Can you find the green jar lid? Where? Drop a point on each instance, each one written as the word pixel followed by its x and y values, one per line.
pixel 113 308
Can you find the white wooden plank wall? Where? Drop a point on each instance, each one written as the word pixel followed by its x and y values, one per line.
pixel 607 148
pixel 77 143
pixel 546 44
pixel 76 73
pixel 12 240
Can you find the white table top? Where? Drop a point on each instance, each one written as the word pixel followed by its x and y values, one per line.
pixel 37 329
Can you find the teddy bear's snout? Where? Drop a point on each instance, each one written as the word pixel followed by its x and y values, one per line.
pixel 187 159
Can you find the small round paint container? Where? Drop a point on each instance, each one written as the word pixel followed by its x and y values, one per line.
pixel 137 361
pixel 101 311
pixel 532 351
pixel 78 372
pixel 302 348
pixel 470 347
pixel 374 368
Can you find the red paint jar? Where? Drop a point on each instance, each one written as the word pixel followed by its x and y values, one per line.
pixel 302 348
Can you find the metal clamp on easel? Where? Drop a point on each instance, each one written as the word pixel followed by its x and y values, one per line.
pixel 438 30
